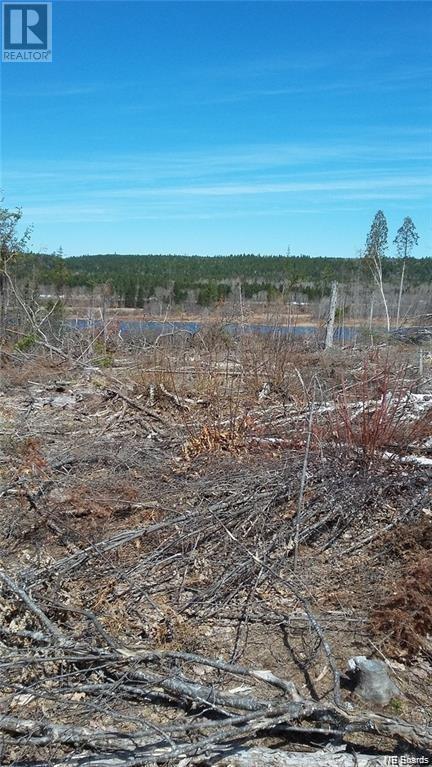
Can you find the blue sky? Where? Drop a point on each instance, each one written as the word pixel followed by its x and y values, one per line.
pixel 222 127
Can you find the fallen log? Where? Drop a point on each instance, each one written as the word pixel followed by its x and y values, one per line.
pixel 268 757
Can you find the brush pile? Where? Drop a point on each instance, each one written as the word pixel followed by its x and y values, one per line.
pixel 179 586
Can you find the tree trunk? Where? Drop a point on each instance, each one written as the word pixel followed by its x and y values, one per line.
pixel 332 315
pixel 400 294
pixel 3 303
pixel 384 300
pixel 268 757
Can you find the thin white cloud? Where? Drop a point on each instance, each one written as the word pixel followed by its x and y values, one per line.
pixel 265 188
pixel 227 181
pixel 226 162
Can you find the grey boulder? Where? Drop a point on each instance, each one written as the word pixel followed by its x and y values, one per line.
pixel 372 680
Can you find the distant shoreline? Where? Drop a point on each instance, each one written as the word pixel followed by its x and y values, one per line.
pixel 137 315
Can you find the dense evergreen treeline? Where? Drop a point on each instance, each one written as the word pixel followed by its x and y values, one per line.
pixel 135 278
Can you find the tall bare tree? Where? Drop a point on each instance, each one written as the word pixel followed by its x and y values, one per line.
pixel 376 246
pixel 406 238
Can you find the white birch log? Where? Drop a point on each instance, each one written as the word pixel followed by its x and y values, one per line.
pixel 268 757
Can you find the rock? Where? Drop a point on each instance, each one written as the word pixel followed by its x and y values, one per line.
pixel 372 681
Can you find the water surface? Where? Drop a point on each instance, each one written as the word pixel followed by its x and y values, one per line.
pixel 147 327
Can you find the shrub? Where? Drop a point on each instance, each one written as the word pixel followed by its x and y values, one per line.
pixel 25 343
pixel 375 416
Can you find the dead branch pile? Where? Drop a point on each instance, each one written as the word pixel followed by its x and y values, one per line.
pixel 149 611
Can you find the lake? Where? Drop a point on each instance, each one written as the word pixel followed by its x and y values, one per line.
pixel 144 327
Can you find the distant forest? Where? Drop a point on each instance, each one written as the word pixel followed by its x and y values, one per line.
pixel 135 278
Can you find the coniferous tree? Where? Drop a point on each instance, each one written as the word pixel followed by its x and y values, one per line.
pixel 376 246
pixel 405 240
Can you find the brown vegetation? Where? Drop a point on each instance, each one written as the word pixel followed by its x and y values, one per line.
pixel 150 611
pixel 404 617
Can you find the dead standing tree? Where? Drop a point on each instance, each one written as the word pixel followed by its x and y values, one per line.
pixel 332 315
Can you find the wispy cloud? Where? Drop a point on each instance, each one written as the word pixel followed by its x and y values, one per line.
pixel 264 199
pixel 333 157
pixel 228 181
pixel 66 90
pixel 393 80
pixel 262 66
